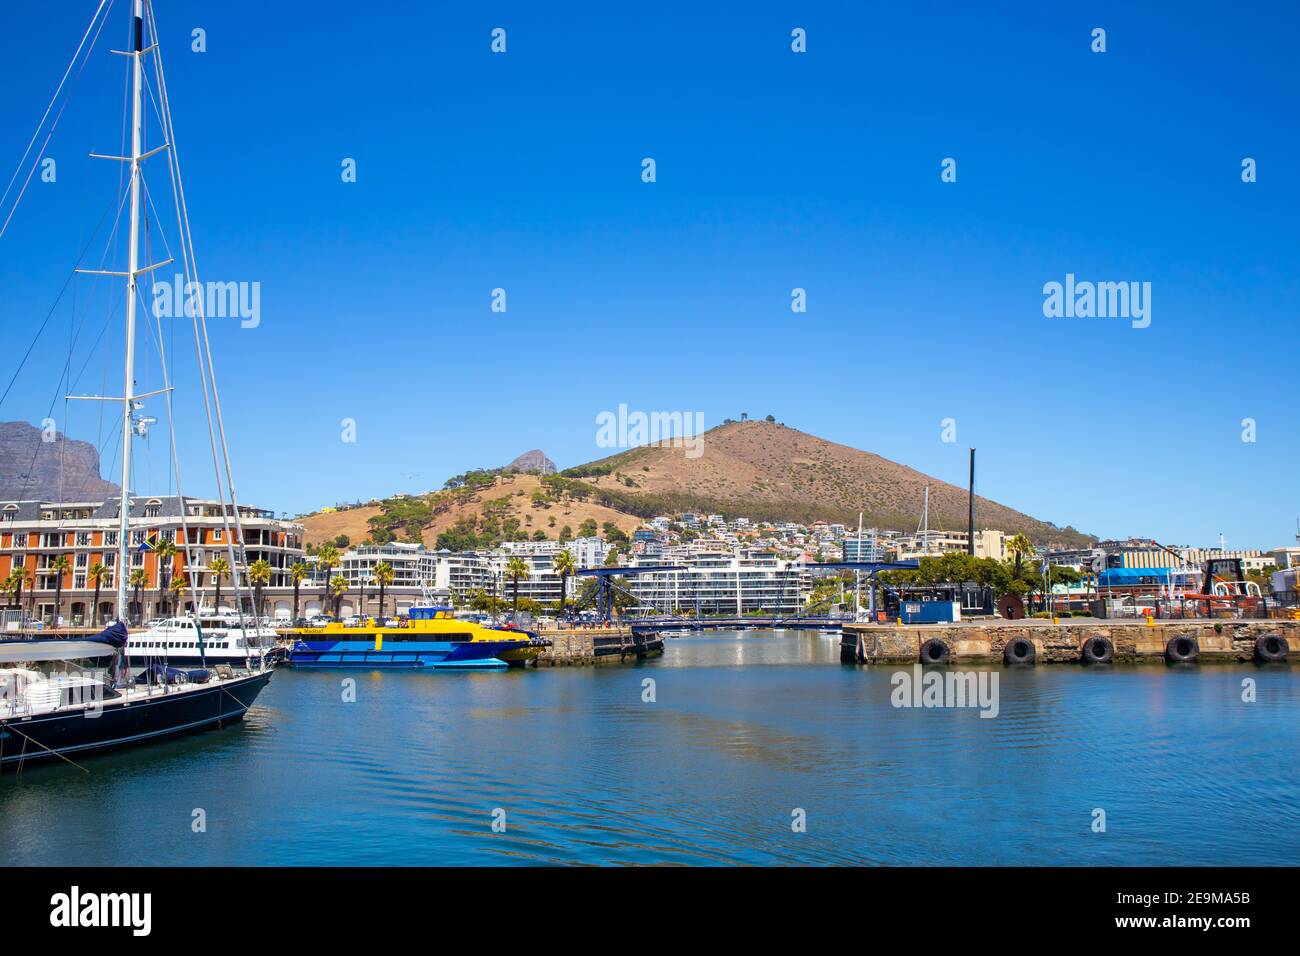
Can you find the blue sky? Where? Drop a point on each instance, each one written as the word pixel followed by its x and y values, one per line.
pixel 775 170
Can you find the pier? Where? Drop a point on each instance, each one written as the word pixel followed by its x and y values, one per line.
pixel 604 645
pixel 1069 641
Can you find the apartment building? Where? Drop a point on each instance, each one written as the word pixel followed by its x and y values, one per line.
pixel 726 583
pixel 34 534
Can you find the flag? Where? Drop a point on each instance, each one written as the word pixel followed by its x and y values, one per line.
pixel 149 541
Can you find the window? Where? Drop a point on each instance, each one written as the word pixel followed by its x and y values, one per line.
pixel 83 539
pixel 82 560
pixel 217 533
pixel 20 539
pixel 110 539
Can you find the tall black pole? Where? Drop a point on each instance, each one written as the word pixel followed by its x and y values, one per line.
pixel 970 509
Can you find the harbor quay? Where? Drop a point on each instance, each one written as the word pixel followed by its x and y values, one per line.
pixel 1072 641
pixel 597 645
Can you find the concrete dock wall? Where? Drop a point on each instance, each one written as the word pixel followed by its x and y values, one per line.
pixel 597 646
pixel 1063 642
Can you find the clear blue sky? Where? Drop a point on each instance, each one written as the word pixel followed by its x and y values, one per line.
pixel 775 170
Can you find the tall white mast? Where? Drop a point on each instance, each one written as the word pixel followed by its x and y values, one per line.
pixel 133 263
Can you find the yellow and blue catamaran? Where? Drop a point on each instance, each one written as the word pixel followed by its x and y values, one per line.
pixel 431 637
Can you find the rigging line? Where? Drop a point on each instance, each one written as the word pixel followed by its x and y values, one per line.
pixel 53 100
pixel 72 273
pixel 10 726
pixel 48 136
pixel 188 553
pixel 63 384
pixel 187 260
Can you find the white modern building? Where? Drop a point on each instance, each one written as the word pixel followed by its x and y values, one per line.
pixel 726 583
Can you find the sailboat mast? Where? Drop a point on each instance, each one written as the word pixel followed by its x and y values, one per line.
pixel 133 264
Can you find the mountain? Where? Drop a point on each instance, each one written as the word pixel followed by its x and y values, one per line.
pixel 760 470
pixel 62 469
pixel 533 462
pixel 768 471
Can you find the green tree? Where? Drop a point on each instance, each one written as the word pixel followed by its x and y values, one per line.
pixel 1019 546
pixel 97 574
pixel 338 588
pixel 219 567
pixel 137 579
pixel 564 565
pixel 516 571
pixel 327 558
pixel 587 529
pixel 178 587
pixel 383 577
pixel 259 575
pixel 298 573
pixel 61 565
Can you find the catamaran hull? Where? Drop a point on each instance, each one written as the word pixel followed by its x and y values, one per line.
pixel 122 724
pixel 409 655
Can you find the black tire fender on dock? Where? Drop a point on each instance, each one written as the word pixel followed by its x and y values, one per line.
pixel 1019 650
pixel 1097 649
pixel 1271 648
pixel 934 651
pixel 1182 649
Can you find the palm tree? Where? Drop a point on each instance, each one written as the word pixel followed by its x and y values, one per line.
pixel 137 580
pixel 20 578
pixel 338 588
pixel 259 575
pixel 516 571
pixel 219 567
pixel 62 566
pixel 564 565
pixel 1020 546
pixel 12 585
pixel 327 557
pixel 383 577
pixel 165 552
pixel 178 587
pixel 298 573
pixel 97 574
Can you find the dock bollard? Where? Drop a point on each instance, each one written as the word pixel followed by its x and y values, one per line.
pixel 1097 650
pixel 1182 649
pixel 1019 651
pixel 1271 648
pixel 934 651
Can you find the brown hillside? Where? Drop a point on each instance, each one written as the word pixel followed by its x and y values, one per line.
pixel 355 522
pixel 768 471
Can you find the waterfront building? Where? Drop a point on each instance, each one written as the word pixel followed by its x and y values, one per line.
pixel 413 566
pixel 34 534
pixel 726 583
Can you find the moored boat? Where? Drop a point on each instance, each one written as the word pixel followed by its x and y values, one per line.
pixel 431 638
pixel 205 639
pixel 61 696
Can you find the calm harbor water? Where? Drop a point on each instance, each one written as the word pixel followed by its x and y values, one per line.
pixel 744 729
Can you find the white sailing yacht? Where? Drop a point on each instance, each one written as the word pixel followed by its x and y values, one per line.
pixel 49 687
